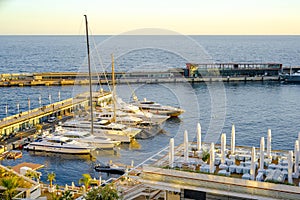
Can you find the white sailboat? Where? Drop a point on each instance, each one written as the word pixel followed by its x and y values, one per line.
pixel 114 131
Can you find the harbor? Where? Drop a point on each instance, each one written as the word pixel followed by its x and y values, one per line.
pixel 67 110
pixel 160 100
pixel 138 137
pixel 157 167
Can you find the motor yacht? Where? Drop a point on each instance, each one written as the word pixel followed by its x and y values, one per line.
pixel 86 137
pixel 114 131
pixel 59 144
pixel 156 108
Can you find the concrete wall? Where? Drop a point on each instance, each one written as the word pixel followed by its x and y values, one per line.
pixel 218 184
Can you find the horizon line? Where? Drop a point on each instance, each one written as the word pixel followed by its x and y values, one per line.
pixel 151 34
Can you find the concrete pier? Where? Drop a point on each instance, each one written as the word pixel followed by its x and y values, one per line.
pixel 36 116
pixel 81 78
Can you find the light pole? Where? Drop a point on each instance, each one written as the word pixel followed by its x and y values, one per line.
pixel 18 107
pixel 28 111
pixel 6 110
pixel 28 104
pixel 40 101
pixel 58 95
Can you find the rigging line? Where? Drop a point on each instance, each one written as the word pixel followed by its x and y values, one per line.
pixel 101 64
pixel 94 62
pixel 81 30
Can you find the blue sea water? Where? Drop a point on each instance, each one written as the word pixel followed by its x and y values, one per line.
pixel 252 107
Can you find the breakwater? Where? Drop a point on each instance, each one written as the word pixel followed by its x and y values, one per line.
pixel 61 79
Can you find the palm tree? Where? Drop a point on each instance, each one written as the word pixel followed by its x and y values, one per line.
pixel 3 173
pixel 67 195
pixel 33 175
pixel 10 183
pixel 86 180
pixel 108 192
pixel 51 178
pixel 205 155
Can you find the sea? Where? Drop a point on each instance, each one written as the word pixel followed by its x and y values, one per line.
pixel 253 107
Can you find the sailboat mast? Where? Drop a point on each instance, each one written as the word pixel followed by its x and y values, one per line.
pixel 113 83
pixel 90 74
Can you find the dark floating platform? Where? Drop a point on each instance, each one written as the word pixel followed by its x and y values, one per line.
pixel 109 169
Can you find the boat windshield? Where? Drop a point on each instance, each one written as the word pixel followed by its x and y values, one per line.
pixel 54 141
pixel 147 102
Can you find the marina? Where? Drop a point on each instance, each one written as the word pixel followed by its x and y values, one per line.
pixel 144 143
pixel 152 176
pixel 160 100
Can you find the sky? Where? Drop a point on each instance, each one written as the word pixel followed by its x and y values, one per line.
pixel 112 17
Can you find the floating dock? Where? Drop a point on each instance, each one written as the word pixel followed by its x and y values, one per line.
pixel 32 166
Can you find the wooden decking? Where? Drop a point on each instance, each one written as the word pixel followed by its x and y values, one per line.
pixel 33 166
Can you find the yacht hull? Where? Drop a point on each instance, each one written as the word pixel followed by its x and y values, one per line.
pixel 57 149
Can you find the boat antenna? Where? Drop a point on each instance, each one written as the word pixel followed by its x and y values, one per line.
pixel 113 84
pixel 90 74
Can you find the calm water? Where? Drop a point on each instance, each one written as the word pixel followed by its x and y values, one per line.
pixel 252 107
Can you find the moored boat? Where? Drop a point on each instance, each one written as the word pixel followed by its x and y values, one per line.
pixel 59 144
pixel 111 169
pixel 156 108
pixel 12 154
pixel 113 131
pixel 292 77
pixel 86 137
pixel 121 117
pixel 135 111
